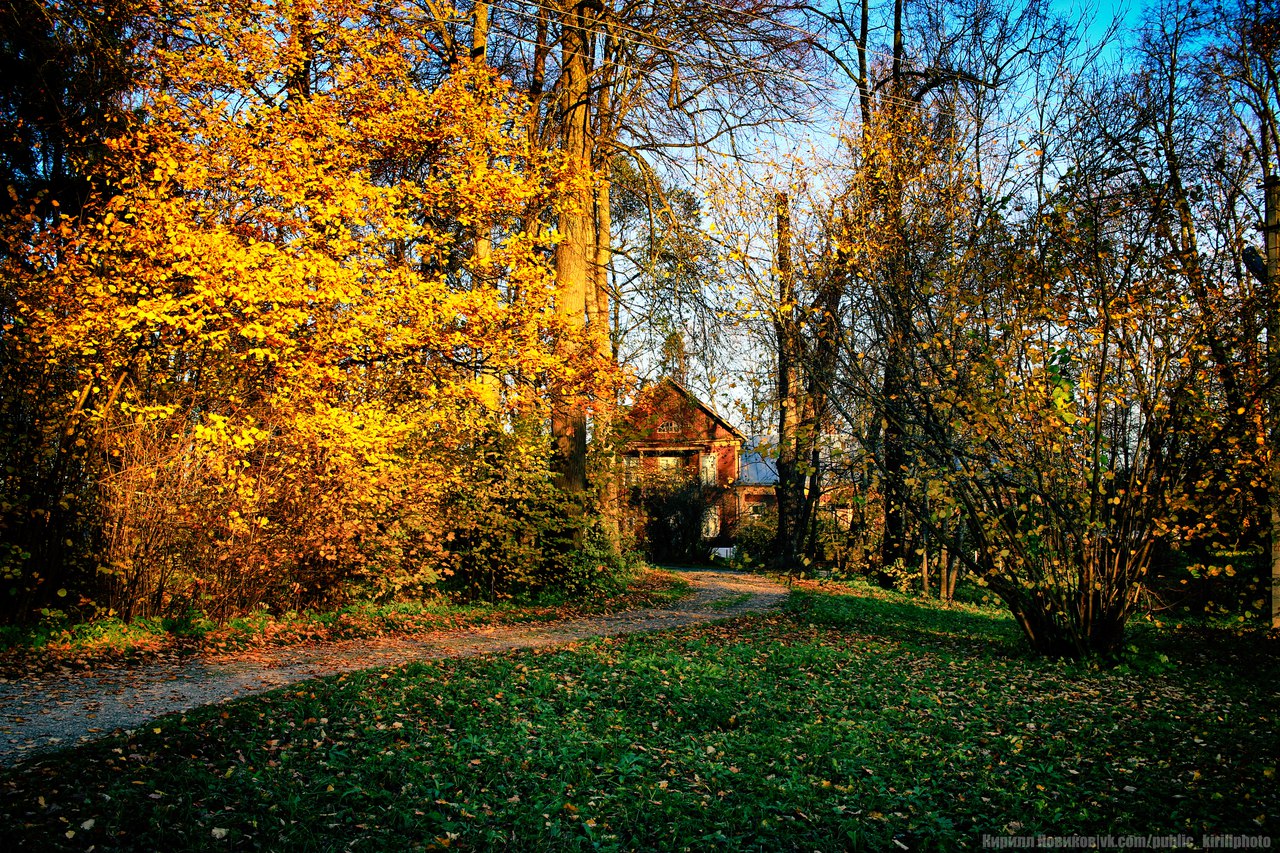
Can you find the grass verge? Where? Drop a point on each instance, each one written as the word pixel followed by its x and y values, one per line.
pixel 109 641
pixel 848 722
pixel 730 601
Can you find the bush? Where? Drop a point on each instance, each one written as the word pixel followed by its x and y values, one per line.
pixel 508 529
pixel 222 394
pixel 671 509
pixel 755 537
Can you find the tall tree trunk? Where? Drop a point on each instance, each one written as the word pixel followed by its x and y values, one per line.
pixel 924 569
pixel 602 252
pixel 577 241
pixel 479 48
pixel 599 307
pixel 898 45
pixel 819 371
pixel 599 319
pixel 790 488
pixel 893 545
pixel 1272 234
pixel 538 73
pixel 864 83
pixel 479 31
pixel 955 564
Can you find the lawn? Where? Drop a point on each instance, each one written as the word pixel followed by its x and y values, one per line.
pixel 850 721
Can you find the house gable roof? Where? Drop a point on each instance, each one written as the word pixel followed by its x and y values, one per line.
pixel 668 382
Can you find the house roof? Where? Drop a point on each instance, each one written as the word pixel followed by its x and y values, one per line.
pixel 693 398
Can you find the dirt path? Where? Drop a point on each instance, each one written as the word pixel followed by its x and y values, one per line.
pixel 54 711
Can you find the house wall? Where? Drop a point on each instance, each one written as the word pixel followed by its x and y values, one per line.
pixel 667 404
pixel 727 463
pixel 695 433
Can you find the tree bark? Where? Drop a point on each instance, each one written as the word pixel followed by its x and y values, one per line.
pixel 924 573
pixel 864 83
pixel 599 320
pixel 1272 233
pixel 479 47
pixel 893 545
pixel 480 32
pixel 790 487
pixel 569 414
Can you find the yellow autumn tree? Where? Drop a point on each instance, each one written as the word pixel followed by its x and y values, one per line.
pixel 255 365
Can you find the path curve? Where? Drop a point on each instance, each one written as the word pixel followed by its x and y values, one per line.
pixel 59 710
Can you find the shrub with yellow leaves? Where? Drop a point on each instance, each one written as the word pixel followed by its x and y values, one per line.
pixel 250 369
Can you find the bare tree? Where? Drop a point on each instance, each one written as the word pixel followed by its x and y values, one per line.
pixel 644 81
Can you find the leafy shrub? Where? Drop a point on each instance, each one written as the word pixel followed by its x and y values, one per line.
pixel 755 537
pixel 672 507
pixel 223 392
pixel 506 528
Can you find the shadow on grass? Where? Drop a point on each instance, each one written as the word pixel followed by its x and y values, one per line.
pixel 1148 649
pixel 1210 650
pixel 892 616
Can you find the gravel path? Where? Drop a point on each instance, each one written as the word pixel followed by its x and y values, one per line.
pixel 54 711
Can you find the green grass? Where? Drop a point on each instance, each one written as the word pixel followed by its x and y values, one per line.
pixel 854 722
pixel 729 601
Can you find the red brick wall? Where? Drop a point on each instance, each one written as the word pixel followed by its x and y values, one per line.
pixel 665 403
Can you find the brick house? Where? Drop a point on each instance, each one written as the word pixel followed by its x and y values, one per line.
pixel 669 431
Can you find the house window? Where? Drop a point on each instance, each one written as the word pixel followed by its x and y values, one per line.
pixel 708 469
pixel 630 466
pixel 668 427
pixel 668 464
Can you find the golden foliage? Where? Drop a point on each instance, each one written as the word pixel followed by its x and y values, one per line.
pixel 250 367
